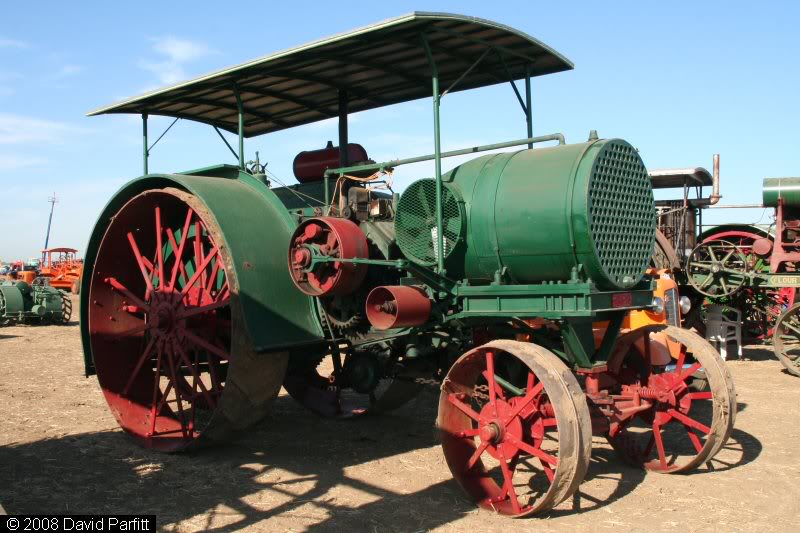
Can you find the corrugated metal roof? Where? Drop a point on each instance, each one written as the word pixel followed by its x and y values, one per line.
pixel 378 65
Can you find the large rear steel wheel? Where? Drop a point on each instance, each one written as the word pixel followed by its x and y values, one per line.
pixel 679 415
pixel 515 427
pixel 166 331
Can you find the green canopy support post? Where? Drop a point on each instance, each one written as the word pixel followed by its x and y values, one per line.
pixel 145 149
pixel 240 109
pixel 528 111
pixel 343 112
pixel 437 152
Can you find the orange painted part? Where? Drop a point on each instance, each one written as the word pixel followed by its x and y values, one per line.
pixel 61 266
pixel 662 350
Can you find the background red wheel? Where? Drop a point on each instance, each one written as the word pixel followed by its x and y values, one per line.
pixel 515 427
pixel 682 413
pixel 760 307
pixel 162 319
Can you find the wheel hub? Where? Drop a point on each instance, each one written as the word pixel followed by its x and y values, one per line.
pixel 164 319
pixel 500 429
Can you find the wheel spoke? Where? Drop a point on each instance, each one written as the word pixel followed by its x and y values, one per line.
pixel 159 250
pixel 192 311
pixel 178 251
pixel 155 406
pixel 490 377
pixel 473 460
pixel 662 456
pixel 195 375
pixel 531 450
pixel 698 445
pixel 689 422
pixel 179 266
pixel 202 343
pixel 469 433
pixel 140 262
pixel 509 486
pixel 528 398
pixel 685 375
pixel 464 408
pixel 177 389
pixel 699 395
pixel 198 254
pixel 200 270
pixel 209 286
pixel 119 287
pixel 144 357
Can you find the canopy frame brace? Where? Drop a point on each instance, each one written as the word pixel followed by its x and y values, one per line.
pixel 147 149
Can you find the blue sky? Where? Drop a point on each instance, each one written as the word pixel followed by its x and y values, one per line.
pixel 679 80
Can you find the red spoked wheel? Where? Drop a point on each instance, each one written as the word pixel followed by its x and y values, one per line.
pixel 161 325
pixel 669 418
pixel 515 427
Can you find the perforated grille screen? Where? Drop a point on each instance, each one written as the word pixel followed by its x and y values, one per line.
pixel 622 213
pixel 415 222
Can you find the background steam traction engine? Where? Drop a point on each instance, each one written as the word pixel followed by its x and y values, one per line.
pixel 748 267
pixel 205 291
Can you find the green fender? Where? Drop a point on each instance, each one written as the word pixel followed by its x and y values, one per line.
pixel 256 228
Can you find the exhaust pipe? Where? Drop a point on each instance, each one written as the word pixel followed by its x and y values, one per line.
pixel 715 196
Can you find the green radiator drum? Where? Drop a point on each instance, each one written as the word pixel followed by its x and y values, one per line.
pixel 536 215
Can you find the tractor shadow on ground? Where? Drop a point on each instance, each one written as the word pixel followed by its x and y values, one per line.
pixel 742 448
pixel 295 465
pixel 296 468
pixel 3 336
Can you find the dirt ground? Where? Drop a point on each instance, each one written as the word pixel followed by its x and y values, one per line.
pixel 61 452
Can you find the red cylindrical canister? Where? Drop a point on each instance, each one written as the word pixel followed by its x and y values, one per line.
pixel 311 165
pixel 397 306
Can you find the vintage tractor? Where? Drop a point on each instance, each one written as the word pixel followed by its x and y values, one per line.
pixel 748 267
pixel 205 291
pixel 34 303
pixel 755 269
pixel 62 267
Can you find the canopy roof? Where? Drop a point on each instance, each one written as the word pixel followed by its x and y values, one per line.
pixel 377 65
pixel 669 178
pixel 58 250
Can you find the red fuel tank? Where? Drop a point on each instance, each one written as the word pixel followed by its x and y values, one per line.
pixel 311 165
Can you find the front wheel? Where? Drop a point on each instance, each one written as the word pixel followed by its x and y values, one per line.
pixel 669 418
pixel 515 427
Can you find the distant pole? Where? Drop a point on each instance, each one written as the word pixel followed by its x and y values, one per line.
pixel 53 200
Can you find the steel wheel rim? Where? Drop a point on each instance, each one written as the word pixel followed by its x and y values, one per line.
pixel 717 268
pixel 760 307
pixel 786 340
pixel 160 319
pixel 683 428
pixel 514 430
